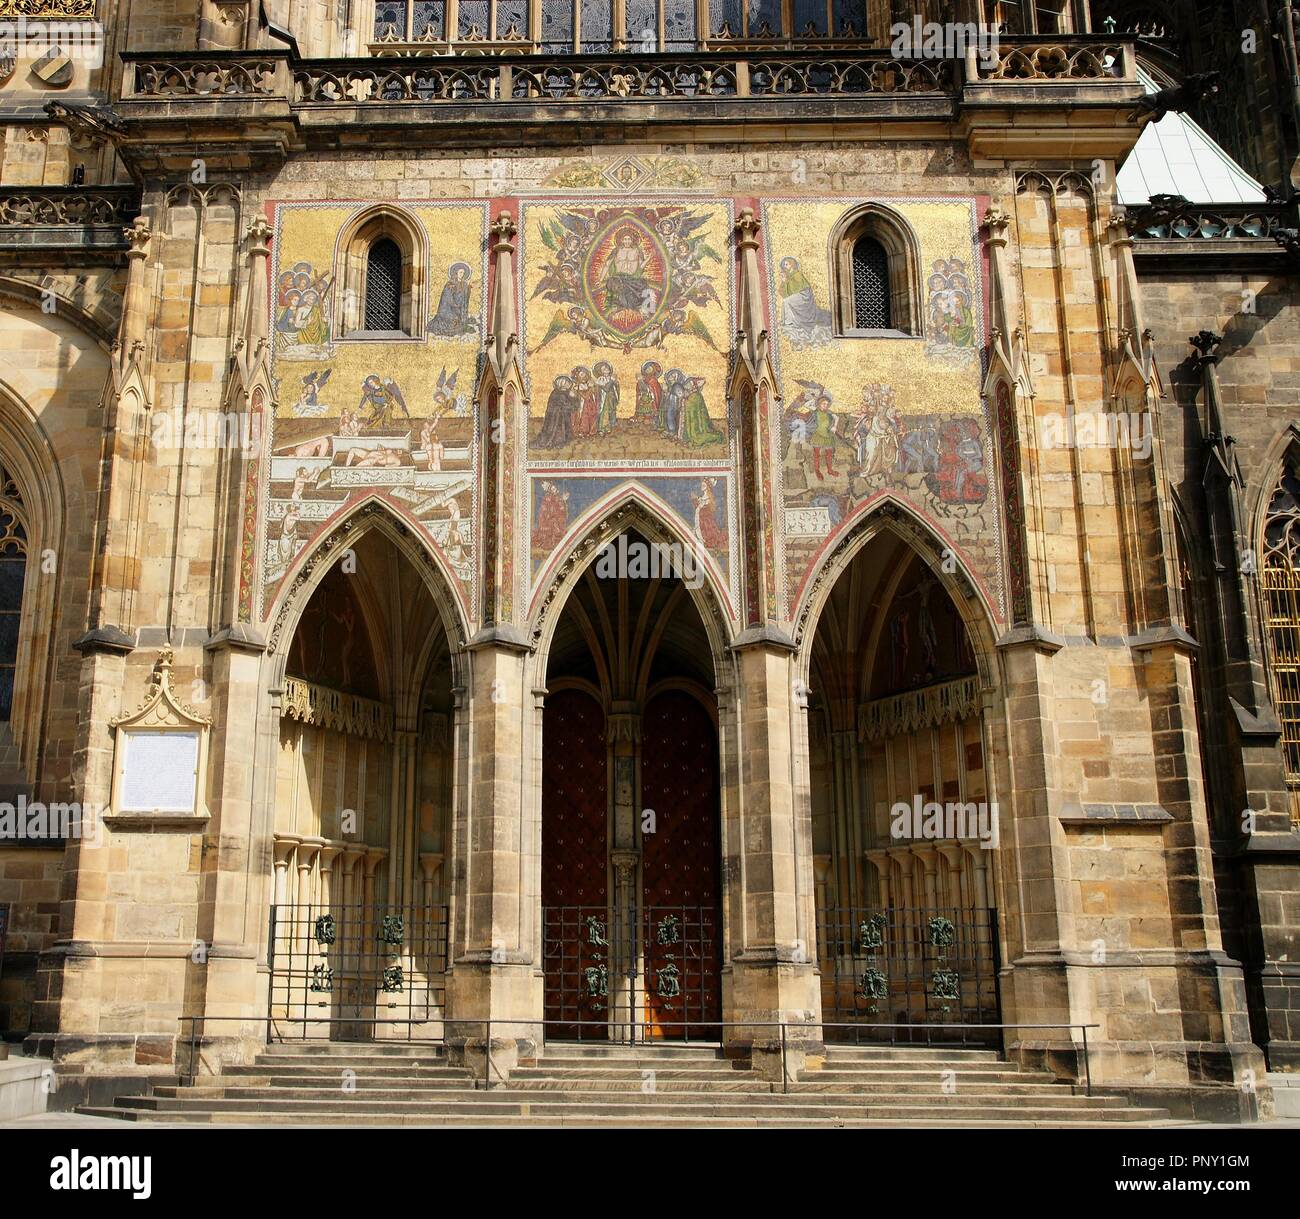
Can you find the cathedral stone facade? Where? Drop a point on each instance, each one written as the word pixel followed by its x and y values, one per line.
pixel 531 520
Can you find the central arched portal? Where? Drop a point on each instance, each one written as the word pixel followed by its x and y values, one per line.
pixel 631 895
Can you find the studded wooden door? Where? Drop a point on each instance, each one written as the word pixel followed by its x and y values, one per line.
pixel 681 912
pixel 575 934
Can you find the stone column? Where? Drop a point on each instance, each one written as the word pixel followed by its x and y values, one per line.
pixel 283 849
pixel 234 874
pixel 67 1004
pixel 768 848
pixel 495 974
pixel 879 859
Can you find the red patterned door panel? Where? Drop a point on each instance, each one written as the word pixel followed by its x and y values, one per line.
pixel 682 931
pixel 575 934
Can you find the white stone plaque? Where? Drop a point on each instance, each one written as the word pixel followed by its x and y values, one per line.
pixel 159 771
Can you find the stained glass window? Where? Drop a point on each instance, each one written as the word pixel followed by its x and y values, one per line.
pixel 809 17
pixel 473 19
pixel 13 573
pixel 764 18
pixel 870 285
pixel 384 286
pixel 1281 579
pixel 725 18
pixel 390 20
pixel 512 19
pixel 597 26
pixel 679 25
pixel 848 18
pixel 428 20
pixel 642 25
pixel 557 26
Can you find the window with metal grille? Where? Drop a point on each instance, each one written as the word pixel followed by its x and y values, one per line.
pixel 1281 580
pixel 384 286
pixel 870 285
pixel 13 573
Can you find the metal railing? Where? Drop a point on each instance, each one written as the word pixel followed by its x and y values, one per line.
pixel 358 964
pixel 780 1041
pixel 915 966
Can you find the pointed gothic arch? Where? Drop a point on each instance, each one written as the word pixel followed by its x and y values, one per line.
pixel 35 493
pixel 320 556
pixel 400 238
pixel 896 653
pixel 873 241
pixel 630 508
pixel 894 514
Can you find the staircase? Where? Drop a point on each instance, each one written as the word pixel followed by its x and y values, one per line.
pixel 604 1085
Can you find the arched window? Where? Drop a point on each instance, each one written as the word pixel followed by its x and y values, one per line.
pixel 870 285
pixel 1281 579
pixel 13 575
pixel 384 286
pixel 876 265
pixel 380 268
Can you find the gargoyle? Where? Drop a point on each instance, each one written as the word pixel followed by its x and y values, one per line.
pixel 1178 99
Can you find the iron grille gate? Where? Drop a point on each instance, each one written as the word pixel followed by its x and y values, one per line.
pixel 628 974
pixel 367 964
pixel 922 967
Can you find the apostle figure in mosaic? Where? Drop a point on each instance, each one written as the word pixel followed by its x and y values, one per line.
pixel 675 391
pixel 697 427
pixel 649 391
pixel 557 425
pixel 584 389
pixel 606 397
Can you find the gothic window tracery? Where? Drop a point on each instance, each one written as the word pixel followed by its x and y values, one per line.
pixel 384 286
pixel 875 264
pixel 13 574
pixel 558 27
pixel 1281 580
pixel 870 285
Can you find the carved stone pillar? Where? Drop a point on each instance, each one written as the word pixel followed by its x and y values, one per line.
pixel 495 974
pixel 769 846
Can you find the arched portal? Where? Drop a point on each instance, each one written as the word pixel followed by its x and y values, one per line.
pixel 904 828
pixel 363 794
pixel 631 892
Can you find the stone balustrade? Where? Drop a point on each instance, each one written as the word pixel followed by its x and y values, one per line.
pixel 84 218
pixel 839 72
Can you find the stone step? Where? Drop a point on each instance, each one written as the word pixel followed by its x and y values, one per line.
pixel 722 1066
pixel 344 1118
pixel 682 1107
pixel 843 1053
pixel 378 1066
pixel 659 1049
pixel 356 1049
pixel 254 1095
